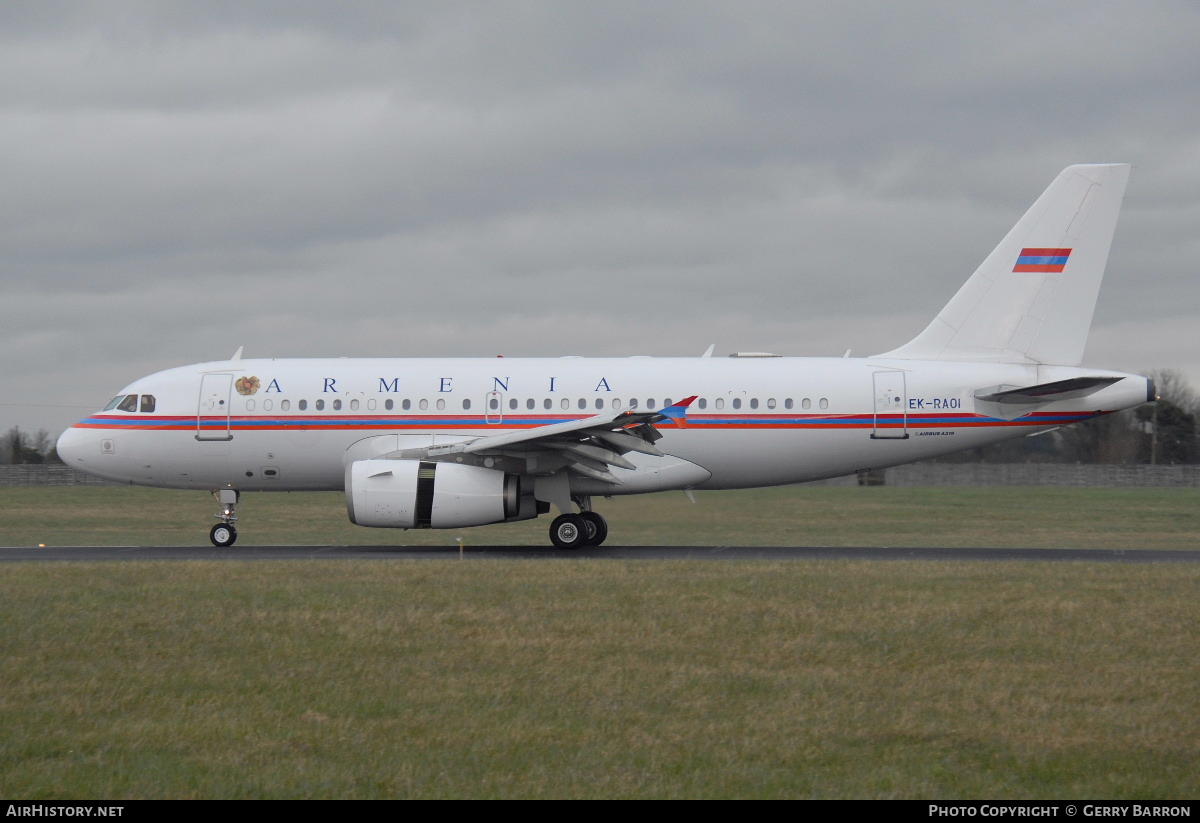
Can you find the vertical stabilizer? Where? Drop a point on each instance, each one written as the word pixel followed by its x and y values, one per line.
pixel 1032 299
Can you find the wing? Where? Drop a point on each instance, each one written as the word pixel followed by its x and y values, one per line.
pixel 589 447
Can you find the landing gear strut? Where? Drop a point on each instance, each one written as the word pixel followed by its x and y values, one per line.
pixel 573 531
pixel 224 534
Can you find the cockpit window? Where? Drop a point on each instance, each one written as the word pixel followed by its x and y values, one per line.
pixel 129 404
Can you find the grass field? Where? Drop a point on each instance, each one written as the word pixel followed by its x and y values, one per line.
pixel 591 678
pixel 810 516
pixel 599 679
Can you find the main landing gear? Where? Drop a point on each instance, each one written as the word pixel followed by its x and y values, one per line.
pixel 224 534
pixel 573 531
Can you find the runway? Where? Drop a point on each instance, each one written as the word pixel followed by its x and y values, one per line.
pixel 875 553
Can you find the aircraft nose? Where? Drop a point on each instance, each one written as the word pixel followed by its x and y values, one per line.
pixel 70 446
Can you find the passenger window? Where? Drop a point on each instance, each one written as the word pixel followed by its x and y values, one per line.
pixel 129 404
pixel 286 405
pixel 582 403
pixel 302 405
pixel 824 402
pixel 268 405
pixel 770 402
pixel 147 403
pixel 702 403
pixel 320 405
pixel 423 405
pixel 616 403
pixel 493 404
pixel 787 404
pixel 754 402
pixel 806 403
pixel 388 405
pixel 548 403
pixel 529 404
pixel 512 404
pixel 599 402
pixel 566 404
pixel 406 404
pixel 371 405
pixel 466 405
pixel 633 403
pixel 737 402
pixel 650 403
pixel 249 405
pixel 720 403
pixel 353 405
pixel 441 404
pixel 337 405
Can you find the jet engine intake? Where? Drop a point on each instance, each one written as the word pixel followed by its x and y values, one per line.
pixel 420 494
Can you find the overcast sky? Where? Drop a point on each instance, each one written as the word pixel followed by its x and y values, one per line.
pixel 596 178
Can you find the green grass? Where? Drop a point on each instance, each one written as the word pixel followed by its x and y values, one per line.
pixel 568 678
pixel 821 516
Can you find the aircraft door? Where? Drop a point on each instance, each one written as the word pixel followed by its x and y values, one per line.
pixel 891 406
pixel 212 416
pixel 493 407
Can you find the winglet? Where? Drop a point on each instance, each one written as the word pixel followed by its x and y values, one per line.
pixel 677 412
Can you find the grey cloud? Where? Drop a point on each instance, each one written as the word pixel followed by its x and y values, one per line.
pixel 537 178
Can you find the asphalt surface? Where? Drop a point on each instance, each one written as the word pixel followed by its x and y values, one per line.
pixel 116 553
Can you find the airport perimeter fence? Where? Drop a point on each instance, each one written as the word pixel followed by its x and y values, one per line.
pixel 915 474
pixel 1025 474
pixel 39 474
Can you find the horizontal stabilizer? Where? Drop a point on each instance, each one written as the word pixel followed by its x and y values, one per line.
pixel 1046 392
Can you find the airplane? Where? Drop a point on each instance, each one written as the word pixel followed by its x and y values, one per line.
pixel 448 443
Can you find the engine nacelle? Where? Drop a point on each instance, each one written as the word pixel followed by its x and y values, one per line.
pixel 419 494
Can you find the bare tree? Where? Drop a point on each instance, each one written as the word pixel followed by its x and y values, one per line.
pixel 1169 424
pixel 1170 384
pixel 17 447
pixel 1111 438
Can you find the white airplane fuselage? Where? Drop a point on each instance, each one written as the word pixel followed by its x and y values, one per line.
pixel 757 421
pixel 449 443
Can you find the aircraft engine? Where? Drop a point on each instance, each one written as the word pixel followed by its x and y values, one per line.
pixel 419 494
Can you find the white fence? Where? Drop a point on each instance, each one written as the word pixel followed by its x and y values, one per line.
pixel 1026 474
pixel 33 474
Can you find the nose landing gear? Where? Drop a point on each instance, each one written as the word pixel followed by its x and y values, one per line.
pixel 224 534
